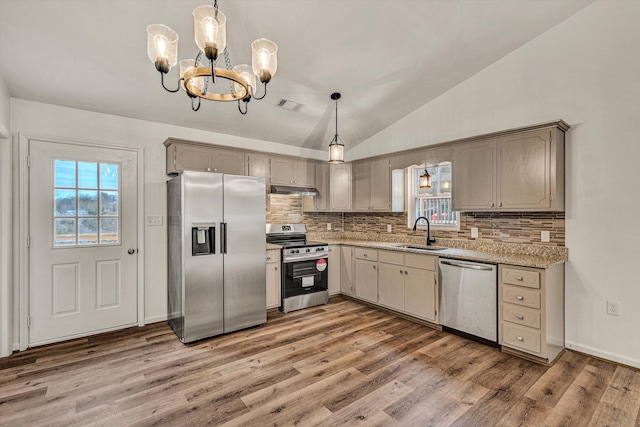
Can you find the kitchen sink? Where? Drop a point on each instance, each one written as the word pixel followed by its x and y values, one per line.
pixel 420 248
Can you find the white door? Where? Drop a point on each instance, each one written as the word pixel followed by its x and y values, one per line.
pixel 82 240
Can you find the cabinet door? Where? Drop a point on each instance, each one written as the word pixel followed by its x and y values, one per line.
pixel 473 177
pixel 380 185
pixel 420 293
pixel 304 173
pixel 319 203
pixel 346 270
pixel 281 170
pixel 367 280
pixel 258 165
pixel 523 171
pixel 334 269
pixel 227 161
pixel 391 285
pixel 192 158
pixel 340 187
pixel 362 186
pixel 273 285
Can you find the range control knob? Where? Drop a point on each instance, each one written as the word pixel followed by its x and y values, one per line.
pixel 308 250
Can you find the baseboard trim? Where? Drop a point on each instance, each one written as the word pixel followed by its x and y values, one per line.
pixel 601 354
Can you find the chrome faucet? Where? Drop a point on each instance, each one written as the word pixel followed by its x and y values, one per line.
pixel 430 240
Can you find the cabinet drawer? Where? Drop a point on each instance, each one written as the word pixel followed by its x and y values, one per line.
pixel 425 262
pixel 369 254
pixel 391 257
pixel 521 337
pixel 513 276
pixel 520 296
pixel 521 315
pixel 273 256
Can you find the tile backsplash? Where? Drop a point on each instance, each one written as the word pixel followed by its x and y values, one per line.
pixel 503 227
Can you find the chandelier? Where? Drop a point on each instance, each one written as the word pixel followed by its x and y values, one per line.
pixel 197 76
pixel 336 148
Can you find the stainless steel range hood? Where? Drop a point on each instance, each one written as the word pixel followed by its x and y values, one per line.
pixel 294 191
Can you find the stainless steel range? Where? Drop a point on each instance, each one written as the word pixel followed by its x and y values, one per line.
pixel 305 267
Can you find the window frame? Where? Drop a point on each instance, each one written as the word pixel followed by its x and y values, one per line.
pixel 412 185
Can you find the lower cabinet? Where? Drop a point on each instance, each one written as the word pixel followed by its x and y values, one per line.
pixel 366 273
pixel 531 310
pixel 408 283
pixel 273 278
pixel 334 269
pixel 346 270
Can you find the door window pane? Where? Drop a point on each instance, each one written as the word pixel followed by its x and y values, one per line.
pixel 84 213
pixel 64 231
pixel 65 173
pixel 87 175
pixel 87 231
pixel 65 202
pixel 108 176
pixel 109 203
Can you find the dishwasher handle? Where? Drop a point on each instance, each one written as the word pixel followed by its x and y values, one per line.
pixel 471 266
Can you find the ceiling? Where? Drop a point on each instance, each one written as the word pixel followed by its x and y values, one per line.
pixel 386 57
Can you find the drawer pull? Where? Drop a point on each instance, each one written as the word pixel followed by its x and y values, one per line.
pixel 268 258
pixel 519 278
pixel 519 297
pixel 364 255
pixel 400 271
pixel 519 338
pixel 519 317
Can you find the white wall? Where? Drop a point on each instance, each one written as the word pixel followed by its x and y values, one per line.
pixel 43 120
pixel 5 222
pixel 586 70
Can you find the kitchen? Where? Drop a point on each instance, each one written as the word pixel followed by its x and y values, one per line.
pixel 506 95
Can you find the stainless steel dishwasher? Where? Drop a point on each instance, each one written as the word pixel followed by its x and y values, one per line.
pixel 469 299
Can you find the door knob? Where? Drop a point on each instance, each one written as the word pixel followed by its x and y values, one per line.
pixel 131 251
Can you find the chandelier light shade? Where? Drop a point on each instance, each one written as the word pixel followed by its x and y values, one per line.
pixel 198 76
pixel 425 178
pixel 336 148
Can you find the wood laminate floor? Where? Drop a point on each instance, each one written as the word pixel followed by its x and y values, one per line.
pixel 342 363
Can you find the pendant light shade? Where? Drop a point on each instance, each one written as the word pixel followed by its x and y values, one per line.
pixel 336 149
pixel 425 178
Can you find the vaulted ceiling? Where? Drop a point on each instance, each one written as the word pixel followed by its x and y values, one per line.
pixel 386 57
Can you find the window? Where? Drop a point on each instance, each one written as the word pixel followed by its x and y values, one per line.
pixel 435 202
pixel 86 199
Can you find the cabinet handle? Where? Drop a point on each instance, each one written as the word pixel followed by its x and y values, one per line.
pixel 364 255
pixel 400 271
pixel 374 267
pixel 500 204
pixel 519 338
pixel 519 278
pixel 519 316
pixel 268 258
pixel 405 272
pixel 519 297
pixel 491 204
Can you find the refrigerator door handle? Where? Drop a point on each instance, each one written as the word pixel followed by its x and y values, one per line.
pixel 223 237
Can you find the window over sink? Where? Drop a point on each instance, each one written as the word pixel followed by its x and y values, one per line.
pixel 434 202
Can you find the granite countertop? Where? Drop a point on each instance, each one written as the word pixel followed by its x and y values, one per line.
pixel 272 246
pixel 535 260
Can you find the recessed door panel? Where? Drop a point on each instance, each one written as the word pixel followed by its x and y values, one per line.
pixel 65 292
pixel 107 283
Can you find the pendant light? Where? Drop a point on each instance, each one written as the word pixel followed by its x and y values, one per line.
pixel 425 178
pixel 336 149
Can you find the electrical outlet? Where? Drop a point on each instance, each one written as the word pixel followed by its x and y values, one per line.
pixel 388 228
pixel 328 226
pixel 613 308
pixel 474 232
pixel 154 220
pixel 545 236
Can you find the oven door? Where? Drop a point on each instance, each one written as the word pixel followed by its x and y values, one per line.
pixel 304 277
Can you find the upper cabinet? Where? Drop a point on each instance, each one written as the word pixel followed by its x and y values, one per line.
pixel 523 171
pixel 372 185
pixel 292 171
pixel 184 155
pixel 334 185
pixel 258 165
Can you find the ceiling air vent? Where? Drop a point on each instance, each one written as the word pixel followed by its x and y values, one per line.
pixel 290 105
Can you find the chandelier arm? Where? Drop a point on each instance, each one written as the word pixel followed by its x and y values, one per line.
pixel 246 108
pixel 166 88
pixel 192 103
pixel 263 95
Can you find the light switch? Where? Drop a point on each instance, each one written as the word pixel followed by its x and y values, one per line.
pixel 545 237
pixel 474 232
pixel 328 226
pixel 388 228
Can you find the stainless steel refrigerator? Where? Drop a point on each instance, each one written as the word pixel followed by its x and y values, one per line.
pixel 217 274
